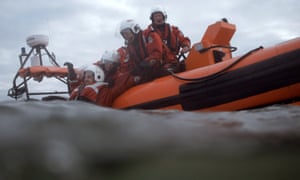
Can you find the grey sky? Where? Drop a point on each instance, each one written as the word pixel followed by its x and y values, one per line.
pixel 80 31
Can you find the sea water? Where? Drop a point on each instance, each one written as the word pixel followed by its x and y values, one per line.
pixel 76 140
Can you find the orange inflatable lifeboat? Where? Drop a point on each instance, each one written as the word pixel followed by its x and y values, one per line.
pixel 213 80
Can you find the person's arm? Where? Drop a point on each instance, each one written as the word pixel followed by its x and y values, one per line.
pixel 184 41
pixel 154 48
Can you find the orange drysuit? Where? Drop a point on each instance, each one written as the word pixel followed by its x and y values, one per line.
pixel 173 40
pixel 146 52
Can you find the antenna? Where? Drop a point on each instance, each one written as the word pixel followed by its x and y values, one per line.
pixel 37 44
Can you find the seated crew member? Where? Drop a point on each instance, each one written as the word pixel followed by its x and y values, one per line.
pixel 118 74
pixel 126 64
pixel 109 62
pixel 145 49
pixel 116 79
pixel 91 84
pixel 172 37
pixel 74 76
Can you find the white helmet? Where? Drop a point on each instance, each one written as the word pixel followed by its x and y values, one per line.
pixel 98 72
pixel 157 9
pixel 130 24
pixel 110 56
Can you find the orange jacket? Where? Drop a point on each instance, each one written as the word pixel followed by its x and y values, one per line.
pixel 101 93
pixel 125 63
pixel 120 79
pixel 87 92
pixel 107 94
pixel 172 37
pixel 144 50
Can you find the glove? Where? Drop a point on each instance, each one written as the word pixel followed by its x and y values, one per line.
pixel 72 74
pixel 69 65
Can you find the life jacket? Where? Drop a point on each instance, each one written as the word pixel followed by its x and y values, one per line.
pixel 126 64
pixel 167 35
pixel 147 46
pixel 137 49
pixel 172 37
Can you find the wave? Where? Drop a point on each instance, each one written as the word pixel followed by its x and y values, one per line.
pixel 76 140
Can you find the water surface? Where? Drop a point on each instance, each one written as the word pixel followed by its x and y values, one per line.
pixel 76 140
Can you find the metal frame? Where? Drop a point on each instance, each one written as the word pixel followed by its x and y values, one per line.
pixel 19 89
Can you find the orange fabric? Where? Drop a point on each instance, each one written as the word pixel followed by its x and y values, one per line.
pixel 74 84
pixel 170 86
pixel 49 71
pixel 77 92
pixel 126 64
pixel 87 92
pixel 143 50
pixel 120 78
pixel 56 71
pixel 33 71
pixel 172 36
pixel 122 82
pixel 23 72
pixel 146 47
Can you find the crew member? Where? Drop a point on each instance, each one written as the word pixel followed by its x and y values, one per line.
pixel 172 37
pixel 145 49
pixel 118 74
pixel 91 85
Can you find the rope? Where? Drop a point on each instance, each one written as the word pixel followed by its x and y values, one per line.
pixel 212 76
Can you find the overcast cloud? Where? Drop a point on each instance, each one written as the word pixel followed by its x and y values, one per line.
pixel 80 31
